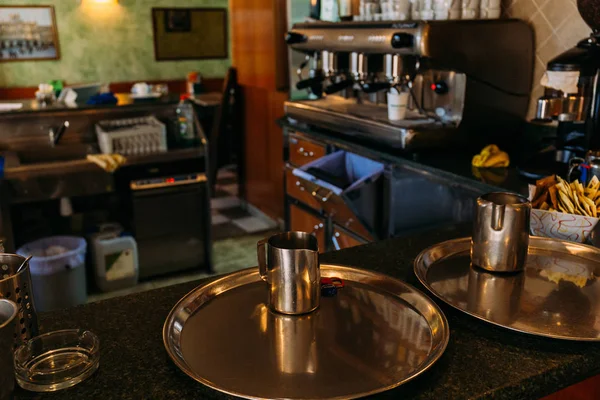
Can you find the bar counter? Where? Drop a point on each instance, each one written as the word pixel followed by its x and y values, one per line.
pixel 481 362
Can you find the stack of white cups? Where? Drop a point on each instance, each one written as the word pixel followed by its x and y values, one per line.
pixel 449 9
pixel 470 9
pixel 490 9
pixel 422 10
pixel 446 9
pixel 396 10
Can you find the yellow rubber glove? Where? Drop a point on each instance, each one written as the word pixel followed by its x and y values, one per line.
pixel 491 157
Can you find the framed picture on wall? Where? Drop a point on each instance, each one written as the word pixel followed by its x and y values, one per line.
pixel 28 33
pixel 190 33
pixel 177 20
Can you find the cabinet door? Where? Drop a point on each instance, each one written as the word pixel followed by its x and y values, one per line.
pixel 295 189
pixel 342 239
pixel 304 221
pixel 303 151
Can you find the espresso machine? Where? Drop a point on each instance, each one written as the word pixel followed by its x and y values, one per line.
pixel 466 79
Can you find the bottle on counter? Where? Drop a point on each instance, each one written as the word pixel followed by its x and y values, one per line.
pixel 330 10
pixel 194 83
pixel 315 9
pixel 185 119
pixel 345 10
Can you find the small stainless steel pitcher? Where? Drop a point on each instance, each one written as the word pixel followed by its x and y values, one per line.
pixel 290 265
pixel 8 315
pixel 592 159
pixel 501 232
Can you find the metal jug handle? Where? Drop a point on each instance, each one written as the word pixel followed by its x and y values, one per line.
pixel 262 259
pixel 574 163
pixel 498 216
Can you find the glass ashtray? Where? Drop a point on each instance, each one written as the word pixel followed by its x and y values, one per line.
pixel 57 360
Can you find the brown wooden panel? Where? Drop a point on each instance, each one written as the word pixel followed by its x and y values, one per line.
pixel 294 188
pixel 303 151
pixel 282 72
pixel 259 54
pixel 175 86
pixel 586 390
pixel 275 151
pixel 264 143
pixel 337 209
pixel 345 240
pixel 258 47
pixel 303 221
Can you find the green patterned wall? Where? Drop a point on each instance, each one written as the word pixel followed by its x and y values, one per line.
pixel 107 43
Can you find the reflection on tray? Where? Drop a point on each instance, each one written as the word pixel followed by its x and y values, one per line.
pixel 557 295
pixel 403 337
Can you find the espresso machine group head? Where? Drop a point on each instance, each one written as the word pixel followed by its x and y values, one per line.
pixel 473 75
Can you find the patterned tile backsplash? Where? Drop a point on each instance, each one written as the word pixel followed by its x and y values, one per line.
pixel 107 43
pixel 558 27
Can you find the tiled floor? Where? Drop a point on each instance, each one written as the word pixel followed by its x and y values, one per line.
pixel 235 233
pixel 229 217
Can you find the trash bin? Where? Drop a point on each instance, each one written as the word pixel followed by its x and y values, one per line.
pixel 57 271
pixel 349 189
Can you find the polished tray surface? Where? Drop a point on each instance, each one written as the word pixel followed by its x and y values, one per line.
pixel 374 335
pixel 557 295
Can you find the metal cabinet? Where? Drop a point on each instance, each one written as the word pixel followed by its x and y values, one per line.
pixel 401 200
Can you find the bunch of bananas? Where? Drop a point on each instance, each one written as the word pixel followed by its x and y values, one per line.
pixel 491 157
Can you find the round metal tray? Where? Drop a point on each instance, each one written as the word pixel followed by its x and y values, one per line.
pixel 557 295
pixel 375 334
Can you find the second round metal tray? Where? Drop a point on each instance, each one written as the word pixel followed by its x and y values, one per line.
pixel 374 335
pixel 557 295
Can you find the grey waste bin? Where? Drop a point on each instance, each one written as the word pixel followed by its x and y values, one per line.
pixel 57 271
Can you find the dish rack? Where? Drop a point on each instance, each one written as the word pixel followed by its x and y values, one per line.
pixel 132 136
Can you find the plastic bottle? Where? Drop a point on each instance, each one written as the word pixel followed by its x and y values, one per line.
pixel 185 119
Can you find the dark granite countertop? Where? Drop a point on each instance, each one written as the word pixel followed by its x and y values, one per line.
pixel 451 164
pixel 481 362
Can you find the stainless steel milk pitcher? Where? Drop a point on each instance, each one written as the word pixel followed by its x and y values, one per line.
pixel 501 232
pixel 289 263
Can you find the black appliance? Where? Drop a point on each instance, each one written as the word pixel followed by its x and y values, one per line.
pixel 168 209
pixel 576 113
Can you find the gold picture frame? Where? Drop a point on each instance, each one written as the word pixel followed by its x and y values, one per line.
pixel 190 33
pixel 28 33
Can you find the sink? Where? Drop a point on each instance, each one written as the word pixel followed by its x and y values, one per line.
pixel 43 155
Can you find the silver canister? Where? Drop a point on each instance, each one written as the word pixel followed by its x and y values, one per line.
pixel 17 288
pixel 8 319
pixel 289 263
pixel 501 232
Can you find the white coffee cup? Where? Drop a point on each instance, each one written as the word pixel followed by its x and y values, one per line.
pixel 397 105
pixel 140 88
